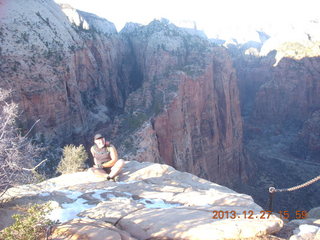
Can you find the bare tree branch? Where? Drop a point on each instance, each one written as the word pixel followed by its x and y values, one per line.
pixel 18 154
pixel 31 128
pixel 4 190
pixel 34 168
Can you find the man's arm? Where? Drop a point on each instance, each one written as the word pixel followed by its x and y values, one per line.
pixel 94 159
pixel 114 157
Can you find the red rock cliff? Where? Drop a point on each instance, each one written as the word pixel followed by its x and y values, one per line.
pixel 291 92
pixel 201 131
pixel 198 127
pixel 78 75
pixel 64 74
pixel 280 106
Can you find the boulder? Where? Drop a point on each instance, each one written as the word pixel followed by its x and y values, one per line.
pixel 314 213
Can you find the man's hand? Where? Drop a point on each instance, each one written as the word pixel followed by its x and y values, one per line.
pixel 107 164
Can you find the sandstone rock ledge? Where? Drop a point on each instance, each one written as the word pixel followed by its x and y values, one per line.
pixel 151 201
pixel 303 229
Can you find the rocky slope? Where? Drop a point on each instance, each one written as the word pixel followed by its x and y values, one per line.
pixel 76 74
pixel 151 201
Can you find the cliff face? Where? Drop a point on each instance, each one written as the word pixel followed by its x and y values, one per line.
pixel 307 144
pixel 66 75
pixel 189 90
pixel 279 93
pixel 279 89
pixel 201 130
pixel 291 92
pixel 283 73
pixel 158 92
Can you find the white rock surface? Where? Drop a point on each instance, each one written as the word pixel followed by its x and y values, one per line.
pixel 306 232
pixel 88 21
pixel 36 27
pixel 151 200
pixel 314 213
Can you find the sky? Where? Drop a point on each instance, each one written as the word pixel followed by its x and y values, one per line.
pixel 217 18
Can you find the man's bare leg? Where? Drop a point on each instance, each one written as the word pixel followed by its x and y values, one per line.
pixel 115 170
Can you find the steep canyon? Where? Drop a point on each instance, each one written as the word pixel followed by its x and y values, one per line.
pixel 280 105
pixel 158 92
pixel 167 95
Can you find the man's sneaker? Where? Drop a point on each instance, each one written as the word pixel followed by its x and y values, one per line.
pixel 114 179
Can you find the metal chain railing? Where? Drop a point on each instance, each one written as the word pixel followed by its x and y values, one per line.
pixel 273 190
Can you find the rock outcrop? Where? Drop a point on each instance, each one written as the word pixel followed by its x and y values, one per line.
pixel 150 201
pixel 302 229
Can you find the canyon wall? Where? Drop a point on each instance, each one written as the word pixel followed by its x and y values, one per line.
pixel 279 94
pixel 201 131
pixel 158 92
pixel 191 97
pixel 292 92
pixel 67 74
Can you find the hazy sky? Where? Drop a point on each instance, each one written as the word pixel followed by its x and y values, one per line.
pixel 216 18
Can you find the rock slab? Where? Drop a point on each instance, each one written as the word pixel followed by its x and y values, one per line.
pixel 150 201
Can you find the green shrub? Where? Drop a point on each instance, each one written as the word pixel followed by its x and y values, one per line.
pixel 135 121
pixel 29 226
pixel 73 159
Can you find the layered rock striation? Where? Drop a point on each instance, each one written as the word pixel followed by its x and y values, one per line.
pixel 64 74
pixel 160 93
pixel 190 95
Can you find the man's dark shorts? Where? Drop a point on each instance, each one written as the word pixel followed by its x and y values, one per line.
pixel 107 169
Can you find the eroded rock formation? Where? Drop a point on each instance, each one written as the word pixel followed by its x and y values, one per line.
pixel 66 75
pixel 191 94
pixel 75 73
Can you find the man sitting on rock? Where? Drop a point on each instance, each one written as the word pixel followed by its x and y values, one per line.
pixel 105 156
